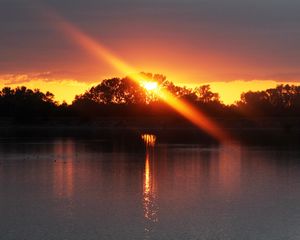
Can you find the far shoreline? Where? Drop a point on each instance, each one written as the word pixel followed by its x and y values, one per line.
pixel 278 131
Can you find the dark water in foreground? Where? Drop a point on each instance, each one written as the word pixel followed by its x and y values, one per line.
pixel 88 189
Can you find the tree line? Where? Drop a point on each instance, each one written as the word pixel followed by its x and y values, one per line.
pixel 123 97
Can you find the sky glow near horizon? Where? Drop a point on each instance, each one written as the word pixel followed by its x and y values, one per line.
pixel 191 42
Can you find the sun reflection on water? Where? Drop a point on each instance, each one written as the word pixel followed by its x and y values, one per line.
pixel 149 140
pixel 149 186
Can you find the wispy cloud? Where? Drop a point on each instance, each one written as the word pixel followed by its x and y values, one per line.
pixel 19 78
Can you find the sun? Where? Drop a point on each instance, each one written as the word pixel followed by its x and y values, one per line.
pixel 150 86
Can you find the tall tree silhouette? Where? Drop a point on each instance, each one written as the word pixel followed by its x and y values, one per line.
pixel 114 91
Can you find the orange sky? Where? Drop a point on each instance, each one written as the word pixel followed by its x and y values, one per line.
pixel 231 91
pixel 227 44
pixel 66 89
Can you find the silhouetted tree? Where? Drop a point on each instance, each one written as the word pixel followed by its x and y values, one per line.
pixel 205 95
pixel 114 91
pixel 284 99
pixel 123 97
pixel 23 104
pixel 283 96
pixel 159 78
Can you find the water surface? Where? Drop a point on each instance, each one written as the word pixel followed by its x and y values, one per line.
pixel 68 188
